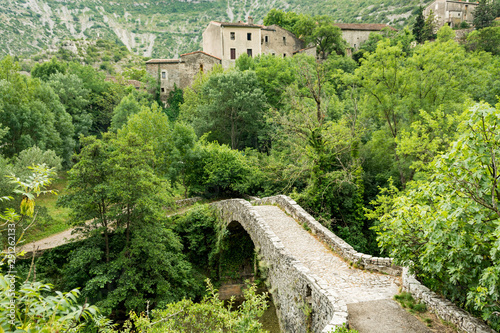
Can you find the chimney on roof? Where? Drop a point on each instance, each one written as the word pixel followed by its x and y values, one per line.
pixel 250 20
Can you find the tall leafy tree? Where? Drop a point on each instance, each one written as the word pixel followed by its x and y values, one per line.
pixel 75 98
pixel 45 70
pixel 447 228
pixel 33 114
pixel 231 108
pixel 418 26
pixel 484 14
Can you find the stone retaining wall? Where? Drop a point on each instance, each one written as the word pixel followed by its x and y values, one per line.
pixel 188 201
pixel 445 309
pixel 345 250
pixel 296 291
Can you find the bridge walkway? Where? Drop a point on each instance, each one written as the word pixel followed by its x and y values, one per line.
pixel 373 291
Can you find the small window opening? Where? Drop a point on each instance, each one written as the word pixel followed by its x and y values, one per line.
pixel 284 55
pixel 249 52
pixel 162 90
pixel 266 39
pixel 201 67
pixel 163 75
pixel 233 36
pixel 249 36
pixel 233 54
pixel 284 40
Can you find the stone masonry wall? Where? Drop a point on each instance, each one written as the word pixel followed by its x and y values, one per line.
pixel 337 244
pixel 294 288
pixel 446 310
pixel 443 307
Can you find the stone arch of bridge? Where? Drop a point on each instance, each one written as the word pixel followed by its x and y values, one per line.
pixel 237 261
pixel 301 303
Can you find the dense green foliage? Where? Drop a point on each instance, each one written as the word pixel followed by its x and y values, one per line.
pixel 394 150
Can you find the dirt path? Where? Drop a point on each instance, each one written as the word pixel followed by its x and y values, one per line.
pixel 71 234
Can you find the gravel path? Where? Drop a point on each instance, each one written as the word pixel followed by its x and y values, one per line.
pixel 354 286
pixel 68 235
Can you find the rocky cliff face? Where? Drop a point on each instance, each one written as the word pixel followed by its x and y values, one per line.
pixel 164 28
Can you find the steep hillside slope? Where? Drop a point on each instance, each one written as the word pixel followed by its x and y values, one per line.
pixel 162 28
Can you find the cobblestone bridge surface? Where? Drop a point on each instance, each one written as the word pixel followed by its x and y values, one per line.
pixel 352 285
pixel 312 286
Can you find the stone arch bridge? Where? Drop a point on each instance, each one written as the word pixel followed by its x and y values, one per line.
pixel 309 273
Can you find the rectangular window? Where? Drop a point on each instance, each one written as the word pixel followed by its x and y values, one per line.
pixel 249 52
pixel 266 39
pixel 233 54
pixel 249 36
pixel 284 40
pixel 201 67
pixel 233 36
pixel 163 75
pixel 284 55
pixel 162 89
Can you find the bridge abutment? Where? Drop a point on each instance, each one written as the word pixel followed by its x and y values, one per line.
pixel 303 301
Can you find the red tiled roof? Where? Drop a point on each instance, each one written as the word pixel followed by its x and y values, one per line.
pixel 162 61
pixel 363 26
pixel 185 54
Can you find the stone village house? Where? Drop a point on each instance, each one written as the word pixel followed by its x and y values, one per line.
pixel 451 12
pixel 224 42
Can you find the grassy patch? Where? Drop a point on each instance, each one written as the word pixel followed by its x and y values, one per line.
pixel 419 310
pixel 55 219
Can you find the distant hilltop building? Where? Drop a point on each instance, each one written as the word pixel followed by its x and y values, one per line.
pixel 230 40
pixel 355 34
pixel 451 12
pixel 180 72
pixel 224 42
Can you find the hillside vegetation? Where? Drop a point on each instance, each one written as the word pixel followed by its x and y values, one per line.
pixel 162 28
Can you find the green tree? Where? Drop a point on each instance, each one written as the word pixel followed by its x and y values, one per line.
pixel 445 33
pixel 37 309
pixel 484 14
pixel 33 114
pixel 232 109
pixel 127 107
pixel 321 31
pixel 174 101
pixel 75 98
pixel 418 26
pixel 446 229
pixel 44 70
pixel 486 39
pixel 88 193
pixel 286 20
pixel 209 315
pixel 430 26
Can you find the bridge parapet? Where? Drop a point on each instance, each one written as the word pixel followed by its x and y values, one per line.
pixel 303 300
pixel 384 265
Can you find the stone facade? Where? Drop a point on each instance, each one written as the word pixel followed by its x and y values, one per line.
pixel 356 34
pixel 280 42
pixel 294 288
pixel 451 12
pixel 230 40
pixel 180 72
